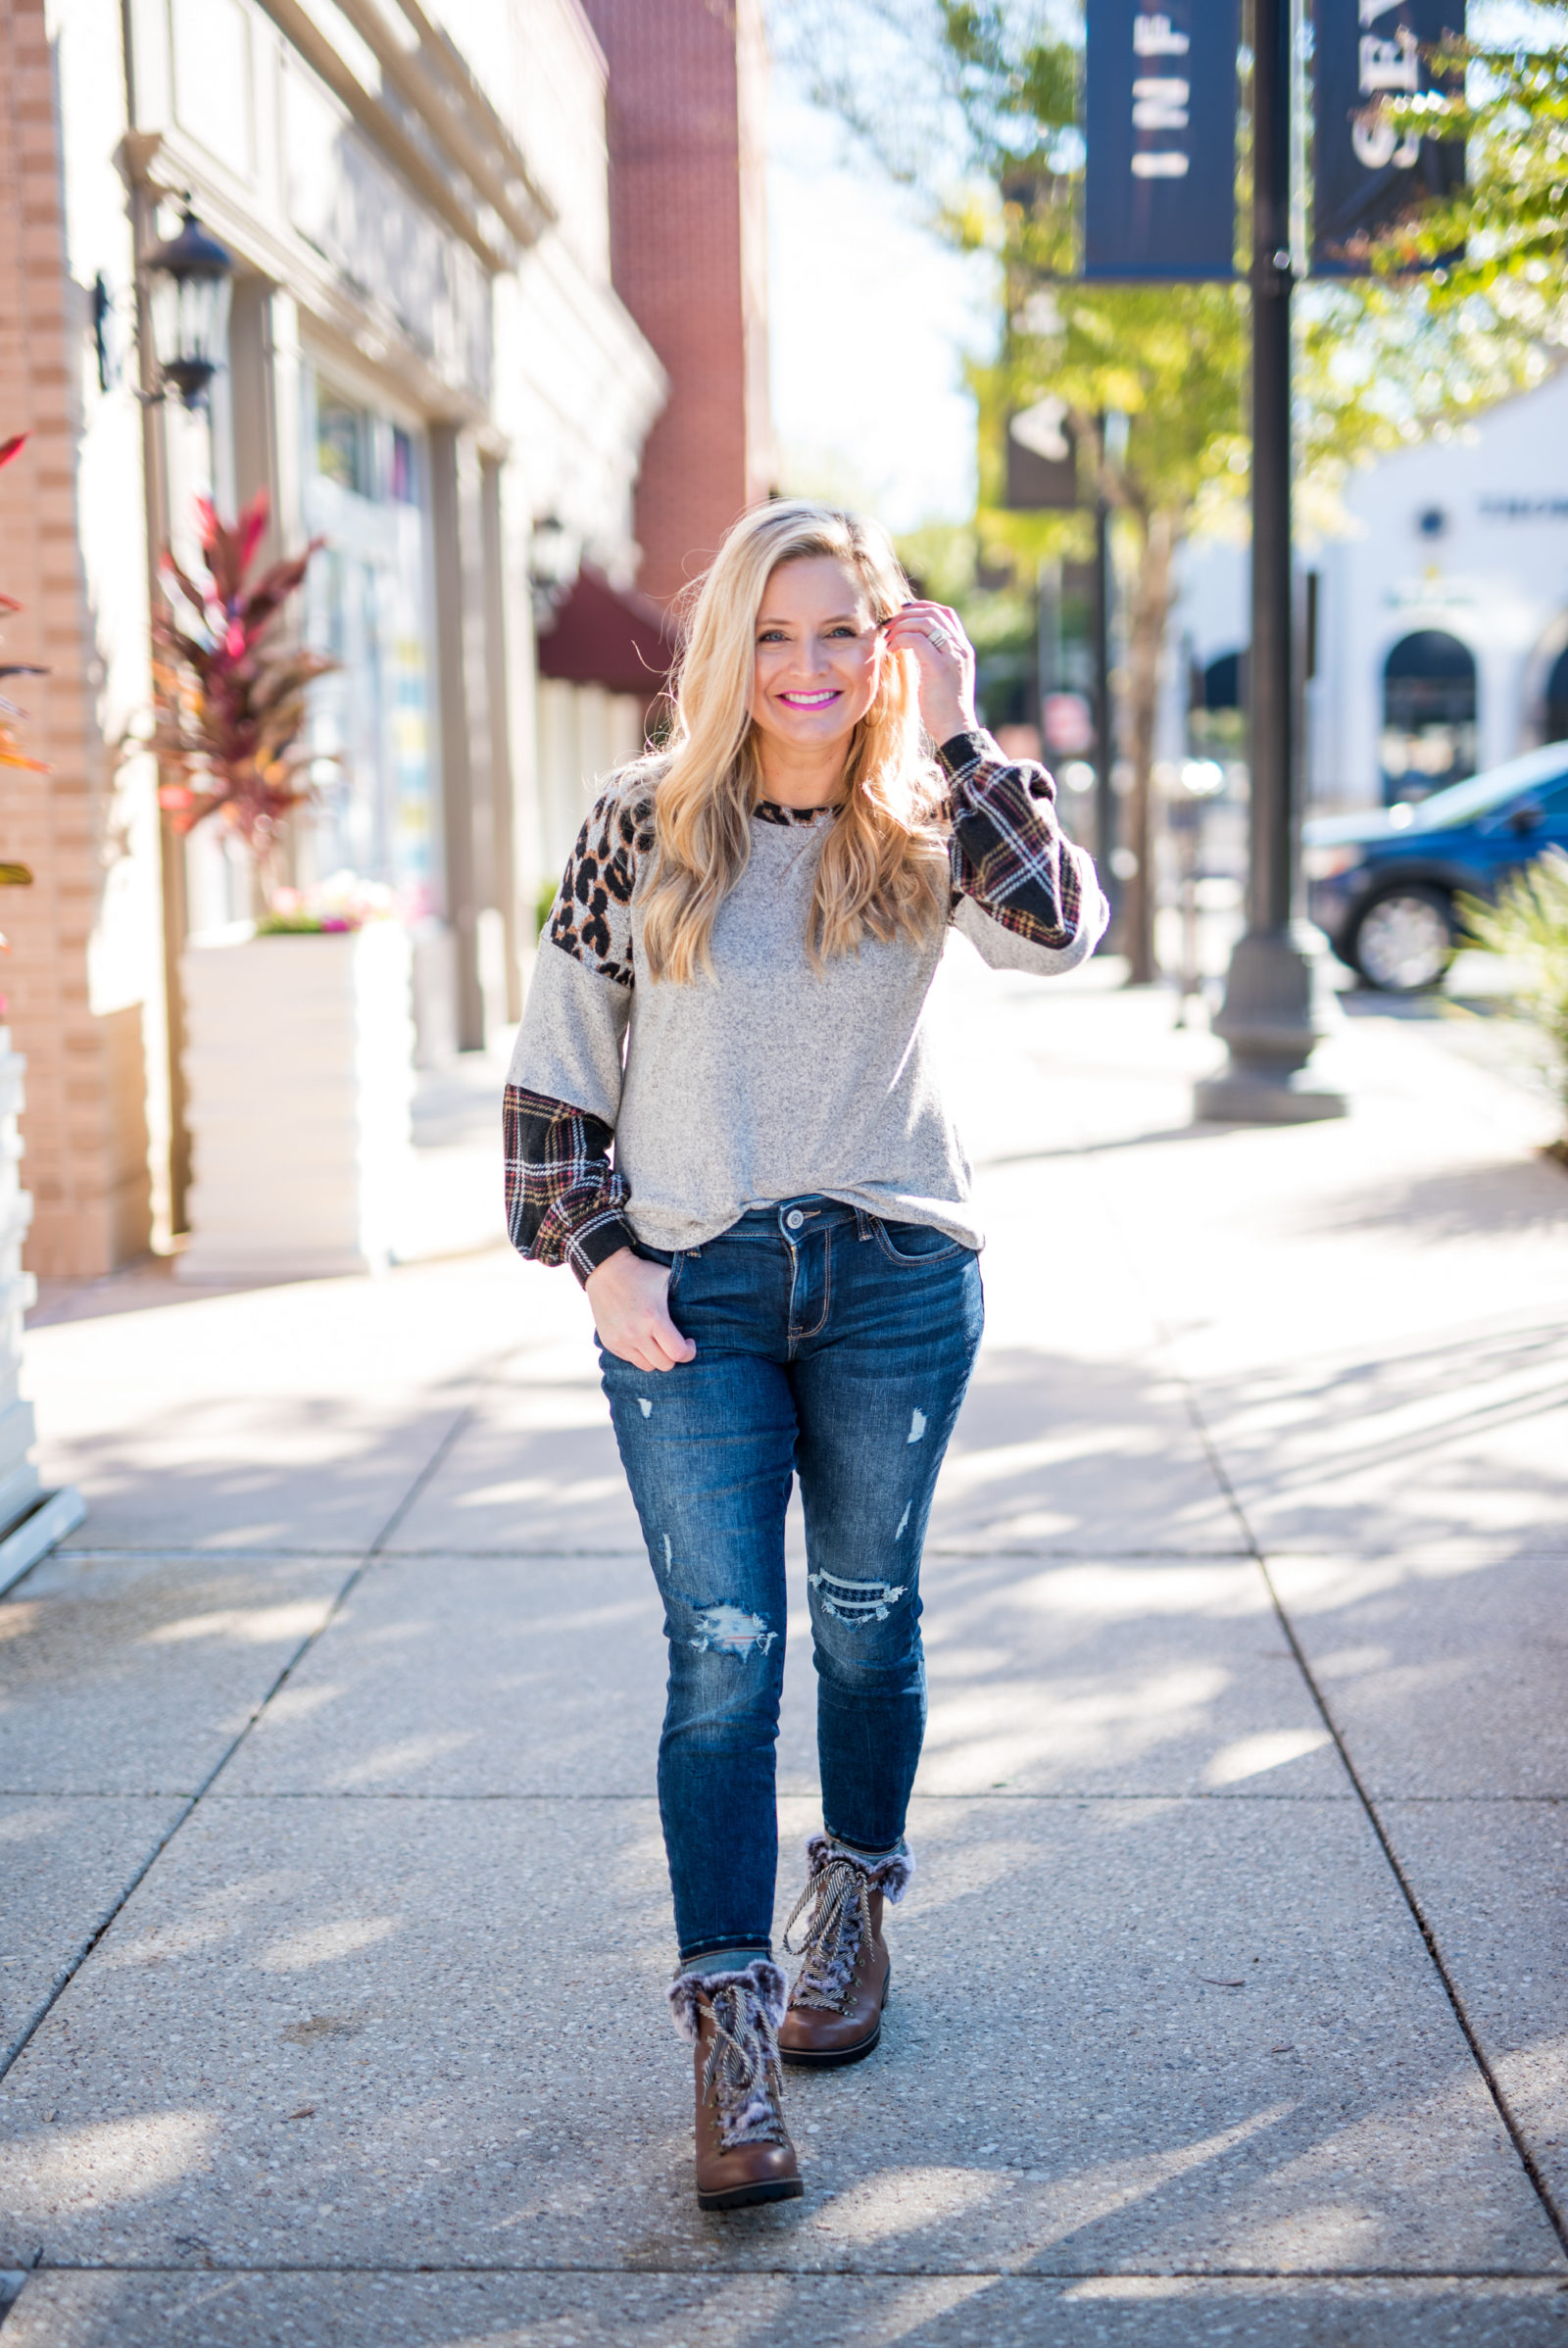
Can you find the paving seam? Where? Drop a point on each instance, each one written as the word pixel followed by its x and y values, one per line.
pixel 791 1793
pixel 1418 2278
pixel 1532 2168
pixel 1555 2218
pixel 174 1556
pixel 171 1553
pixel 983 1554
pixel 69 1970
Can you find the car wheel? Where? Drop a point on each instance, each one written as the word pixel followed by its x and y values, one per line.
pixel 1405 941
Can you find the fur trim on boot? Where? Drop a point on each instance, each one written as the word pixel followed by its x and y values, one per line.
pixel 890 1876
pixel 761 1978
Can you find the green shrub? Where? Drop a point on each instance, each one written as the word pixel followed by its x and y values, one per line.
pixel 1528 926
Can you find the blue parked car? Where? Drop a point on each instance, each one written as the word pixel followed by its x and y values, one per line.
pixel 1383 884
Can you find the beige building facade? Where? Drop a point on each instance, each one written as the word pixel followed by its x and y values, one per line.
pixel 425 356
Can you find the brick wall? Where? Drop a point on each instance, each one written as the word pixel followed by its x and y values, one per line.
pixel 685 225
pixel 84 1141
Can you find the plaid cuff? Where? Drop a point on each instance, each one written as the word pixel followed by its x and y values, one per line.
pixel 963 750
pixel 564 1200
pixel 1009 853
pixel 597 1242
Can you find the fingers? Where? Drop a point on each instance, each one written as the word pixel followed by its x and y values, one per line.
pixel 931 631
pixel 651 1342
pixel 946 662
pixel 665 1342
pixel 924 613
pixel 643 1354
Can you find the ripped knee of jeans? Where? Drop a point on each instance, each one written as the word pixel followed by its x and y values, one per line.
pixel 730 1631
pixel 856 1601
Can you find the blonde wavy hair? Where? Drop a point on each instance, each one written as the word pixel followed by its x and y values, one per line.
pixel 883 871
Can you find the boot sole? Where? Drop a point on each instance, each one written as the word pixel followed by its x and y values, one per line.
pixel 740 2197
pixel 833 2058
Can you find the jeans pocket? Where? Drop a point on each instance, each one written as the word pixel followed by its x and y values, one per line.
pixel 916 1243
pixel 662 1255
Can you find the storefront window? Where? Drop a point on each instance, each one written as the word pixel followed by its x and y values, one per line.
pixel 371 734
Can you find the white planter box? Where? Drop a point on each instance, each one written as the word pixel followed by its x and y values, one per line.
pixel 30 1523
pixel 18 1478
pixel 299 1079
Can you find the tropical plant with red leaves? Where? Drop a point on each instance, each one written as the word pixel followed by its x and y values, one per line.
pixel 11 752
pixel 229 705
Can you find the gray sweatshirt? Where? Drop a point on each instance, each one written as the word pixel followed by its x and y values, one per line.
pixel 767 1080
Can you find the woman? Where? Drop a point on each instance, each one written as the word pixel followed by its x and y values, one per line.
pixel 781 1256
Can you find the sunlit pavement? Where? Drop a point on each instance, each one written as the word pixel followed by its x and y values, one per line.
pixel 1230 1999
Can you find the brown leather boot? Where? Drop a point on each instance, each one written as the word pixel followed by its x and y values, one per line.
pixel 744 2152
pixel 835 2008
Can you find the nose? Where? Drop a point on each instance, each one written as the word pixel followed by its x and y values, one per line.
pixel 810 660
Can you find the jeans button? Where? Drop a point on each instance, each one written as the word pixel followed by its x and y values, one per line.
pixel 794 1219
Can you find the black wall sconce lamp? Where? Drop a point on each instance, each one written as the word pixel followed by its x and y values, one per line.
pixel 189 277
pixel 554 558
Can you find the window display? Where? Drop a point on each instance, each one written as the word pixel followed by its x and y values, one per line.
pixel 372 732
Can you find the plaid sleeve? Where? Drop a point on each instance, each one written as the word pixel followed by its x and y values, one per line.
pixel 564 1200
pixel 1009 853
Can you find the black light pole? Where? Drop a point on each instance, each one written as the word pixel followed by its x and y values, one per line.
pixel 1273 1012
pixel 1100 688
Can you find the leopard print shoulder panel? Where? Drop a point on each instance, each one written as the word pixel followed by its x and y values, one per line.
pixel 591 919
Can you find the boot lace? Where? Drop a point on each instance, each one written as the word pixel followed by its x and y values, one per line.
pixel 838 1928
pixel 742 2075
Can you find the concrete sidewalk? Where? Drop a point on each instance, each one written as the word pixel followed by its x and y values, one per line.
pixel 1232 1997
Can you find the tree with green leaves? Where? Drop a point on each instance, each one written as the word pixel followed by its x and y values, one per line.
pixel 1504 232
pixel 974 103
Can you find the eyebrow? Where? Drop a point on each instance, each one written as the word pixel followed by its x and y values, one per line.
pixel 833 620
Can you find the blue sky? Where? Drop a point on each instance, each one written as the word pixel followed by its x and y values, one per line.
pixel 870 315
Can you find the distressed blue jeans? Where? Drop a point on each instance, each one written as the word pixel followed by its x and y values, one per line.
pixel 836 1347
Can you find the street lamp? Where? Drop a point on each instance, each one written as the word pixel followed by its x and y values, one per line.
pixel 1273 1013
pixel 189 277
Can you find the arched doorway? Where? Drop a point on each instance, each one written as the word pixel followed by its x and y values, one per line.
pixel 1216 723
pixel 1429 714
pixel 1554 712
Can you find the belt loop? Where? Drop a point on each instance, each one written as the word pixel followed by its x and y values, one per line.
pixel 862 1223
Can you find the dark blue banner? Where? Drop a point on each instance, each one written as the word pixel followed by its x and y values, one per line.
pixel 1160 125
pixel 1366 172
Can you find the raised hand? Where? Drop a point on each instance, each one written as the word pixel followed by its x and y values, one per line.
pixel 936 637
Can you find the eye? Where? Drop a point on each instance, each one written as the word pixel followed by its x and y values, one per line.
pixel 772 636
pixel 843 629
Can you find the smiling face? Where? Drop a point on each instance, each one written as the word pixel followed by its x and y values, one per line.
pixel 819 654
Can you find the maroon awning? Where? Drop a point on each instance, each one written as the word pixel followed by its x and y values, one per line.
pixel 610 636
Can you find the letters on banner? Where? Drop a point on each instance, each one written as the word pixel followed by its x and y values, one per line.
pixel 1160 192
pixel 1367 170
